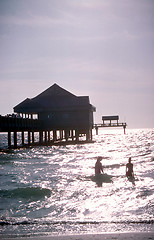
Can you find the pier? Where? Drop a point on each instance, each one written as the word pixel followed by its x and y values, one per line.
pixel 110 122
pixel 19 128
pixel 55 116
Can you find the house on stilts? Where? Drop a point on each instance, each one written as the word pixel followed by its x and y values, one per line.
pixel 64 117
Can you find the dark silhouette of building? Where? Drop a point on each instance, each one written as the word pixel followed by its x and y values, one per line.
pixel 58 109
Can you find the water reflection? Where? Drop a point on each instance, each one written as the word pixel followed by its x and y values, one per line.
pixel 76 194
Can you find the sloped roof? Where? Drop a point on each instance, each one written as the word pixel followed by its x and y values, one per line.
pixel 54 98
pixel 53 91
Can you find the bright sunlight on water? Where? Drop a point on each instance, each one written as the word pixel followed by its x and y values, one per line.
pixel 53 190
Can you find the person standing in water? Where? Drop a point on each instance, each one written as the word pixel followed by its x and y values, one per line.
pixel 129 169
pixel 98 166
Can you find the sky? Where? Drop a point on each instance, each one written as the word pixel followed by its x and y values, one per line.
pixel 103 49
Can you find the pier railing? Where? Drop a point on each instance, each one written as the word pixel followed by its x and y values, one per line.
pixel 110 121
pixel 18 124
pixel 109 125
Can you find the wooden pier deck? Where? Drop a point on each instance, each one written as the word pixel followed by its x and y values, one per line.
pixel 101 125
pixel 110 122
pixel 47 136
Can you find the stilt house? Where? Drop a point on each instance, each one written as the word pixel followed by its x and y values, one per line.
pixel 59 110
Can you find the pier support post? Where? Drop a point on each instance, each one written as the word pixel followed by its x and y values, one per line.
pixel 33 138
pixel 45 136
pixel 15 139
pixel 54 135
pixel 72 135
pixel 61 134
pixel 87 135
pixel 40 137
pixel 66 135
pixel 29 138
pixel 48 136
pixel 77 135
pixel 22 136
pixel 9 139
pixel 124 129
pixel 96 130
pixel 91 134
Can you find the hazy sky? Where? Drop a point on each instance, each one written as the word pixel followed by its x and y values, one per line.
pixel 103 49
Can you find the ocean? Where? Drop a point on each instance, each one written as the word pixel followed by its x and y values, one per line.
pixel 52 190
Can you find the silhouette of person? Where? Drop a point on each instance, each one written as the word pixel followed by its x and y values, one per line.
pixel 98 166
pixel 129 169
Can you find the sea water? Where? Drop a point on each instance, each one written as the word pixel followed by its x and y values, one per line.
pixel 50 190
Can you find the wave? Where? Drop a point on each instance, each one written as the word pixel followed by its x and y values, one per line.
pixel 27 193
pixel 145 193
pixel 26 222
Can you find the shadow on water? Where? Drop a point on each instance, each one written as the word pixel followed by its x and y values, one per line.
pixel 101 178
pixel 132 180
pixel 30 193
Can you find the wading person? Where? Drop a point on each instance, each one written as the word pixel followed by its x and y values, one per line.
pixel 98 166
pixel 129 169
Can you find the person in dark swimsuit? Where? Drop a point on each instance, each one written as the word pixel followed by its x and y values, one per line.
pixel 98 166
pixel 129 169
